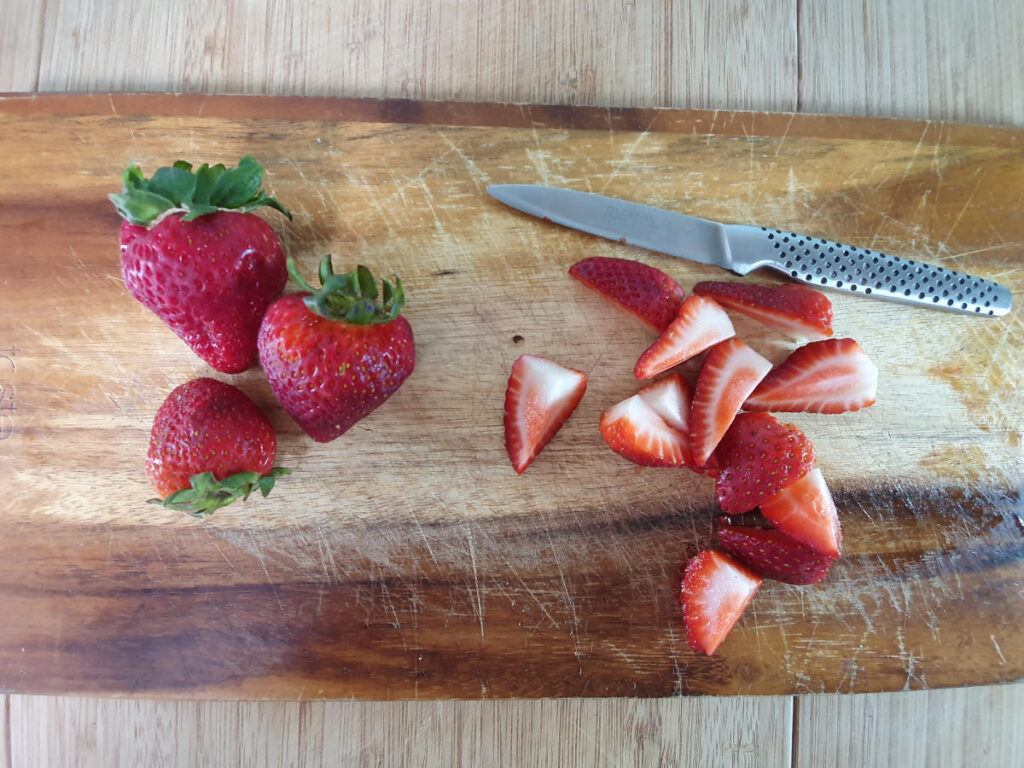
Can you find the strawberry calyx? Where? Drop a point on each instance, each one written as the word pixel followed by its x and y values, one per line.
pixel 180 189
pixel 351 297
pixel 208 494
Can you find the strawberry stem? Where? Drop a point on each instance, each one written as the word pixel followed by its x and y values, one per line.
pixel 208 494
pixel 351 297
pixel 179 189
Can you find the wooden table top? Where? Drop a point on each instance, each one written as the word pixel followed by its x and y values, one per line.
pixel 927 59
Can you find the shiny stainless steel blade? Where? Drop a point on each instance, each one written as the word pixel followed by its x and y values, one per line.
pixel 742 248
pixel 656 229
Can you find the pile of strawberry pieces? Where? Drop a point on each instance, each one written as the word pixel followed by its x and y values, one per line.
pixel 721 428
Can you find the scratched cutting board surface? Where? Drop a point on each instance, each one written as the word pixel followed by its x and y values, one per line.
pixel 407 559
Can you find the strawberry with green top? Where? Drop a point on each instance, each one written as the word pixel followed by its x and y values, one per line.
pixel 193 252
pixel 210 445
pixel 335 354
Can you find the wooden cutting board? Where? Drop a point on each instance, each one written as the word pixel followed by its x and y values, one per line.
pixel 407 559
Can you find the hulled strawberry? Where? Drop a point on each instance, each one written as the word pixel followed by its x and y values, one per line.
pixel 700 323
pixel 773 554
pixel 334 355
pixel 796 310
pixel 209 435
pixel 646 292
pixel 715 592
pixel 194 254
pixel 805 510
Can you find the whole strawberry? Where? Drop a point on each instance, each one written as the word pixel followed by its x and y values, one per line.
pixel 332 356
pixel 209 435
pixel 192 252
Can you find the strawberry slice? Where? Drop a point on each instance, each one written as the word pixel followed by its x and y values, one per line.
pixel 647 292
pixel 805 510
pixel 540 396
pixel 670 399
pixel 701 323
pixel 730 373
pixel 759 457
pixel 796 310
pixel 715 592
pixel 830 376
pixel 773 554
pixel 636 432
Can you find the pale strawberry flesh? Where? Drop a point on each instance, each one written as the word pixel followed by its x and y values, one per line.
pixel 773 554
pixel 796 310
pixel 806 511
pixel 700 324
pixel 670 399
pixel 759 457
pixel 730 373
pixel 541 395
pixel 715 592
pixel 636 432
pixel 644 291
pixel 830 376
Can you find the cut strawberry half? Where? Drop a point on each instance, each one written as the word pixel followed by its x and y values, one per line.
pixel 701 323
pixel 540 396
pixel 773 554
pixel 796 310
pixel 830 376
pixel 805 510
pixel 636 432
pixel 759 457
pixel 730 373
pixel 646 292
pixel 670 399
pixel 715 592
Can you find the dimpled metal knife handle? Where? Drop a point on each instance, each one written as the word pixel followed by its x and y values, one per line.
pixel 828 264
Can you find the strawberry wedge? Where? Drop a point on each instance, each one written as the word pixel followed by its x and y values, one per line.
pixel 830 376
pixel 636 432
pixel 730 373
pixel 796 310
pixel 540 396
pixel 773 554
pixel 715 592
pixel 758 458
pixel 805 510
pixel 644 291
pixel 701 323
pixel 670 399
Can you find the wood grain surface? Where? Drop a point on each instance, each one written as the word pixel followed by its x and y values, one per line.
pixel 407 560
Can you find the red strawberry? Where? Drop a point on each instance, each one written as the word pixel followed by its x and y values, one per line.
pixel 192 252
pixel 670 399
pixel 830 376
pixel 541 395
pixel 715 592
pixel 700 324
pixel 796 310
pixel 729 374
pixel 773 554
pixel 212 435
pixel 332 356
pixel 647 292
pixel 805 510
pixel 636 432
pixel 759 456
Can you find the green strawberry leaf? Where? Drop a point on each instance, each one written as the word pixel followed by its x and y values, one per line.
pixel 195 192
pixel 208 494
pixel 352 297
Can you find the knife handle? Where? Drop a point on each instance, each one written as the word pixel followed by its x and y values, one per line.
pixel 828 264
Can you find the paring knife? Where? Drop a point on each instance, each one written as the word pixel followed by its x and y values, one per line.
pixel 742 248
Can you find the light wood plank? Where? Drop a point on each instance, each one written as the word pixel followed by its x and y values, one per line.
pixel 20 29
pixel 700 54
pixel 5 732
pixel 746 731
pixel 953 727
pixel 935 59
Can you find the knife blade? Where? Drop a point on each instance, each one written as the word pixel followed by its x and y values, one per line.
pixel 742 248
